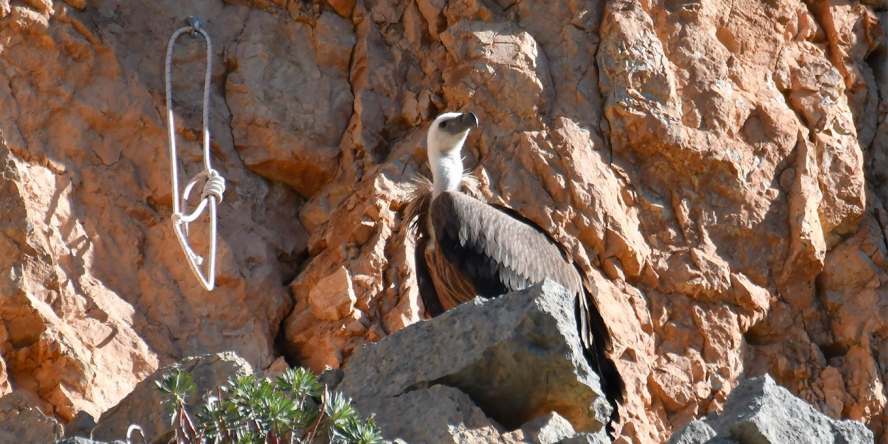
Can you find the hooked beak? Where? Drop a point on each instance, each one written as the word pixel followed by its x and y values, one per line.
pixel 469 120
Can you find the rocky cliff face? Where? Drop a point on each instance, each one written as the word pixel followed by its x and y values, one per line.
pixel 719 169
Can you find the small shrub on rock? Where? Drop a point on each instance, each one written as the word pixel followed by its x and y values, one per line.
pixel 294 409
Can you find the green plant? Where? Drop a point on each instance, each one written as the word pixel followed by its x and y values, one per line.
pixel 179 387
pixel 295 409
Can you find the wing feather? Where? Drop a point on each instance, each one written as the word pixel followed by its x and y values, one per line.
pixel 486 243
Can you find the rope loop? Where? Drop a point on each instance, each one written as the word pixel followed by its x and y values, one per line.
pixel 214 187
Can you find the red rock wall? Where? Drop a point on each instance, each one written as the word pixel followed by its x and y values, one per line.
pixel 720 169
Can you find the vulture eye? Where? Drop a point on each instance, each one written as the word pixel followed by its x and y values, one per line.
pixel 443 124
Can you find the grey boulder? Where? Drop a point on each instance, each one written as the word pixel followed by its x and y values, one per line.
pixel 494 364
pixel 695 432
pixel 553 429
pixel 759 411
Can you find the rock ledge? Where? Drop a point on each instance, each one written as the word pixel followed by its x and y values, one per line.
pixel 489 365
pixel 760 411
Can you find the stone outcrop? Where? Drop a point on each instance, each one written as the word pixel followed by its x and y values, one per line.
pixel 453 380
pixel 146 406
pixel 486 366
pixel 551 429
pixel 22 421
pixel 761 411
pixel 717 169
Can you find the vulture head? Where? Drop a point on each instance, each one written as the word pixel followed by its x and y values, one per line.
pixel 447 134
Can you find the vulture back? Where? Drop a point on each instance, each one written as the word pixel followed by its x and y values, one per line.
pixel 500 253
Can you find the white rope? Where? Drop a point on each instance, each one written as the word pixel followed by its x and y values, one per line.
pixel 214 185
pixel 134 428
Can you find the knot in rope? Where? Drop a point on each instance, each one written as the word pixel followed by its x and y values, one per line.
pixel 214 187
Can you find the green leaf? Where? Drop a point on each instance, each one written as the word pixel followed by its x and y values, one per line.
pixel 355 431
pixel 300 382
pixel 219 418
pixel 179 386
pixel 252 410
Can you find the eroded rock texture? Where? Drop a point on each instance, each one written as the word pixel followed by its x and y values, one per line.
pixel 486 367
pixel 719 170
pixel 759 410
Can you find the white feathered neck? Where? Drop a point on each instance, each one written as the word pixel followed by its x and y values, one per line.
pixel 445 156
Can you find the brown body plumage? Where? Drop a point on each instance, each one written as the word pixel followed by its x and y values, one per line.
pixel 468 248
pixel 450 286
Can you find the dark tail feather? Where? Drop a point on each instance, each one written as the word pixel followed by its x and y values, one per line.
pixel 427 291
pixel 595 353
